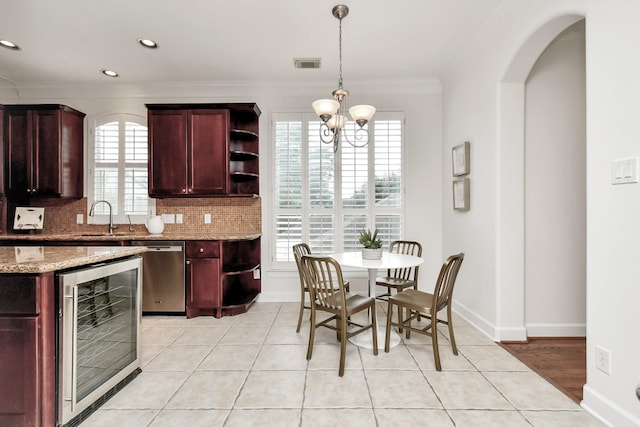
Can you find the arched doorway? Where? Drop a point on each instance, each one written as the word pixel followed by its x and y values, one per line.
pixel 511 293
pixel 555 189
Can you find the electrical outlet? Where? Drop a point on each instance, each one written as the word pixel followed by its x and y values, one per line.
pixel 256 273
pixel 79 219
pixel 178 218
pixel 168 218
pixel 603 360
pixel 207 218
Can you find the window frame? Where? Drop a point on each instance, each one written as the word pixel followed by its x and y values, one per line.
pixel 119 217
pixel 371 211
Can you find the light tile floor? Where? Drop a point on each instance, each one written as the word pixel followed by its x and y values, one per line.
pixel 251 370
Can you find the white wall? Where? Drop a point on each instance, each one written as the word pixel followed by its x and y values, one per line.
pixel 555 189
pixel 476 89
pixel 613 228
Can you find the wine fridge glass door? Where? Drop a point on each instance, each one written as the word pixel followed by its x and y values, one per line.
pixel 99 340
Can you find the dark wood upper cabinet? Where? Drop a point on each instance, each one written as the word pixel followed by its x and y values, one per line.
pixel 203 150
pixel 2 188
pixel 44 146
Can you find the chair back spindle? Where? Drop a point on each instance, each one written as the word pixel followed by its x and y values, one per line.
pixel 445 282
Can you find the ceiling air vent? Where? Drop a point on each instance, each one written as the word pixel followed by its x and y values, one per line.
pixel 307 62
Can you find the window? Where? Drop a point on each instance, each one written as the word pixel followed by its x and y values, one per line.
pixel 326 198
pixel 118 168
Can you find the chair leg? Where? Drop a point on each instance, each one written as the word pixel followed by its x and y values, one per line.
pixel 401 319
pixel 434 341
pixel 374 329
pixel 387 336
pixel 418 318
pixel 343 345
pixel 312 332
pixel 301 310
pixel 450 322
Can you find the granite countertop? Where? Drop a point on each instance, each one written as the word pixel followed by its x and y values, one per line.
pixel 42 259
pixel 88 236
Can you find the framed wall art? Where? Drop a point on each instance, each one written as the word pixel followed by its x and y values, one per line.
pixel 460 159
pixel 461 194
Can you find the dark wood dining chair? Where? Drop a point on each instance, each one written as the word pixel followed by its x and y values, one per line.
pixel 324 276
pixel 413 305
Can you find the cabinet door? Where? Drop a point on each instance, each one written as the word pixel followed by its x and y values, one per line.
pixel 19 402
pixel 19 152
pixel 2 157
pixel 208 155
pixel 167 152
pixel 44 149
pixel 203 290
pixel 47 146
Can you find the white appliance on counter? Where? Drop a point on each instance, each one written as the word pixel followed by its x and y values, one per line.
pixel 98 335
pixel 28 219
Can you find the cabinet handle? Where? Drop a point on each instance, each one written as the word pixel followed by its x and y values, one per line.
pixel 184 190
pixel 201 250
pixel 188 262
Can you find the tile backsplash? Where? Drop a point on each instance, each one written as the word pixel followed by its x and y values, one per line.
pixel 228 215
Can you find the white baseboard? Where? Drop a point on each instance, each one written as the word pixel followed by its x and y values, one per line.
pixel 605 410
pixel 494 332
pixel 511 334
pixel 556 330
pixel 475 320
pixel 279 297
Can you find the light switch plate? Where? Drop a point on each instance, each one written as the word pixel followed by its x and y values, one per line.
pixel 178 218
pixel 207 218
pixel 168 218
pixel 624 171
pixel 79 219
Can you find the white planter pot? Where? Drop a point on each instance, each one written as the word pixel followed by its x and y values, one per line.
pixel 371 253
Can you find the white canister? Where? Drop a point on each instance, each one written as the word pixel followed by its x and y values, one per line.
pixel 154 224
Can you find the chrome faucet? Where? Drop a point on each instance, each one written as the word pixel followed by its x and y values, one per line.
pixel 111 226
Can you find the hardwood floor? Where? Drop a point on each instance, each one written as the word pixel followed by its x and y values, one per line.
pixel 561 361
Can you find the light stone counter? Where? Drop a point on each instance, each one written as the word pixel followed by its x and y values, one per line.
pixel 91 236
pixel 42 259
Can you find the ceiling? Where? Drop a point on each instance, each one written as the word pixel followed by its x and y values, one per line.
pixel 250 41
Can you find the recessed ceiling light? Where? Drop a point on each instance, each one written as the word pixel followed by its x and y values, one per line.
pixel 9 45
pixel 148 43
pixel 109 73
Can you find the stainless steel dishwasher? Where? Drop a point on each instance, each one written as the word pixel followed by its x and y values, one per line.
pixel 163 277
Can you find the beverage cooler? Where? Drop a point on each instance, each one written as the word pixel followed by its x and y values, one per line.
pixel 98 335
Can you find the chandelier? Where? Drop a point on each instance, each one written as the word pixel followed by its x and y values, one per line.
pixel 332 112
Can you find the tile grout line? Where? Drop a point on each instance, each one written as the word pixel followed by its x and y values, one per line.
pixel 250 370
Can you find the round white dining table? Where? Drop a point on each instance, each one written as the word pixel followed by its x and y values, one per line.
pixel 388 260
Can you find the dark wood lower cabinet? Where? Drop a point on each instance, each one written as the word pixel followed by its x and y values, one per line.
pixel 203 291
pixel 19 374
pixel 27 350
pixel 223 277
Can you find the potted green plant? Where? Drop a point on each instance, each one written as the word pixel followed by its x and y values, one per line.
pixel 371 244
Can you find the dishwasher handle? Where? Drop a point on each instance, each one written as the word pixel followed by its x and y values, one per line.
pixel 164 248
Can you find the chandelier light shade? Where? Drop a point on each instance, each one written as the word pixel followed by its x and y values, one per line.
pixel 333 112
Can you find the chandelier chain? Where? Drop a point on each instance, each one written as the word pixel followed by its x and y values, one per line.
pixel 340 52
